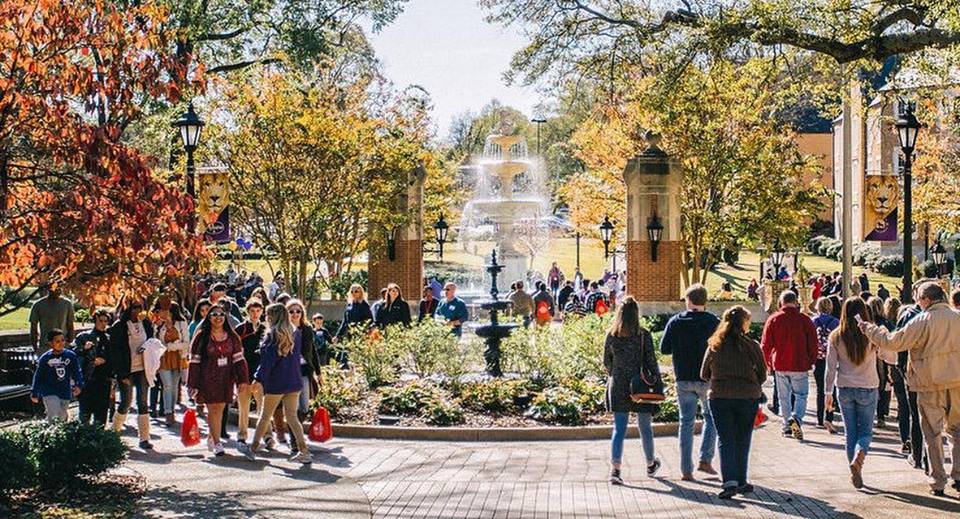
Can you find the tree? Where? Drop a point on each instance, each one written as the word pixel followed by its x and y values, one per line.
pixel 78 208
pixel 936 172
pixel 742 172
pixel 598 38
pixel 313 165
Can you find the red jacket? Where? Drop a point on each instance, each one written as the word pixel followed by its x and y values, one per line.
pixel 789 341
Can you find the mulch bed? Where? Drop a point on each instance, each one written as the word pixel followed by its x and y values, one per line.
pixel 110 495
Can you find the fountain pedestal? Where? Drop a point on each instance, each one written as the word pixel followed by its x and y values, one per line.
pixel 494 332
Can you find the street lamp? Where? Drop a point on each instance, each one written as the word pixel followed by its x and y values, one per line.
pixel 538 122
pixel 939 254
pixel 190 125
pixel 907 129
pixel 776 257
pixel 441 228
pixel 606 229
pixel 392 243
pixel 655 234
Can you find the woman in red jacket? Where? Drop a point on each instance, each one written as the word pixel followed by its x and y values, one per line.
pixel 217 365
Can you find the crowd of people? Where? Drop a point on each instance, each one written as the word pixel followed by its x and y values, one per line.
pixel 270 354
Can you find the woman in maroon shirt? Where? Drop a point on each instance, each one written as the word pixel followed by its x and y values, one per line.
pixel 216 366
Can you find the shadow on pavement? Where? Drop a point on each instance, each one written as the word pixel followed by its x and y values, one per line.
pixel 944 504
pixel 169 501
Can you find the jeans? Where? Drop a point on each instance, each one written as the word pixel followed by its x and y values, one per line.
pixel 916 432
pixel 138 380
pixel 883 400
pixel 819 373
pixel 95 402
pixel 734 418
pixel 304 403
pixel 688 394
pixel 903 403
pixel 858 405
pixel 644 423
pixel 792 384
pixel 171 387
pixel 56 407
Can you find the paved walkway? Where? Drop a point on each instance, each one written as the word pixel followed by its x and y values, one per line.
pixel 372 478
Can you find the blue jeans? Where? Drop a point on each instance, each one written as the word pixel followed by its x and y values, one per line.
pixel 858 405
pixel 304 398
pixel 734 419
pixel 688 394
pixel 792 384
pixel 644 423
pixel 171 387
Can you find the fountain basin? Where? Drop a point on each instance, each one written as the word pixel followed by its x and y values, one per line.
pixel 495 331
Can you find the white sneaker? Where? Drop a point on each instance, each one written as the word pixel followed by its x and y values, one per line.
pixel 244 449
pixel 303 457
pixel 218 449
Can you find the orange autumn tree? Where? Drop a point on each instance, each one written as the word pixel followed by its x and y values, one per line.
pixel 78 208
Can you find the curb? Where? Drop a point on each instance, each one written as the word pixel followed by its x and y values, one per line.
pixel 474 434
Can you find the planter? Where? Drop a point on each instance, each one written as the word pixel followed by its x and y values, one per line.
pixel 476 434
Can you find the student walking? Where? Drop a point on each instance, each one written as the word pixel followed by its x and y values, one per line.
pixel 790 348
pixel 852 367
pixel 628 349
pixel 685 339
pixel 93 349
pixel 735 368
pixel 251 333
pixel 57 378
pixel 279 374
pixel 217 366
pixel 825 323
pixel 172 329
pixel 127 338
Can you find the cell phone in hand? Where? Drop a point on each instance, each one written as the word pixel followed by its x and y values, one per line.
pixel 858 318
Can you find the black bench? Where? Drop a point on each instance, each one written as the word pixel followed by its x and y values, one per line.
pixel 16 372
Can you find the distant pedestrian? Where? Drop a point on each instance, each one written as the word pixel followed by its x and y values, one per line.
pixel 394 311
pixel 522 303
pixel 57 378
pixel 790 348
pixel 428 305
pixel 128 336
pixel 564 295
pixel 52 312
pixel 544 305
pixel 864 282
pixel 882 292
pixel 453 309
pixel 735 368
pixel 93 349
pixel 628 350
pixel 851 366
pixel 357 314
pixel 574 308
pixel 554 278
pixel 825 323
pixel 685 339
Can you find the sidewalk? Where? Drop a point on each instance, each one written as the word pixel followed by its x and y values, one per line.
pixel 364 478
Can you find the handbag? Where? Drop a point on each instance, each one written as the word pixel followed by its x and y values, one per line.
pixel 320 429
pixel 647 388
pixel 190 430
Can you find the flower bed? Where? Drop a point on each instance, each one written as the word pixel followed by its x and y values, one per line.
pixel 424 376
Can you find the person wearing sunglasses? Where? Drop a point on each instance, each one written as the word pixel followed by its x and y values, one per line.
pixel 127 337
pixel 217 366
pixel 357 314
pixel 309 362
pixel 453 309
pixel 394 310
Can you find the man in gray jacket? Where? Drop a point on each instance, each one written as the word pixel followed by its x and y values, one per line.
pixel 933 371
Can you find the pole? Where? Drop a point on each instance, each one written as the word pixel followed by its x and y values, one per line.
pixel 578 250
pixel 191 190
pixel 847 208
pixel 907 295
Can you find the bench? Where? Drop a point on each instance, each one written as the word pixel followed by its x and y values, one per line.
pixel 16 372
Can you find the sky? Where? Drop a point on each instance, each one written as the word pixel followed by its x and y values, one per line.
pixel 446 47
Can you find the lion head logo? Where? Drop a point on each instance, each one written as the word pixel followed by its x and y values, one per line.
pixel 214 195
pixel 883 194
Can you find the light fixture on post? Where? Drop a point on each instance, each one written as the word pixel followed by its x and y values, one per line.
pixel 939 254
pixel 654 234
pixel 606 231
pixel 392 243
pixel 441 227
pixel 908 127
pixel 190 125
pixel 776 258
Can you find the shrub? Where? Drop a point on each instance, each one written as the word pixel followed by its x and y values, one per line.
pixel 338 390
pixel 557 405
pixel 547 356
pixel 592 393
pixel 409 398
pixel 888 266
pixel 668 411
pixel 834 249
pixel 376 357
pixel 865 253
pixel 813 244
pixel 430 349
pixel 825 246
pixel 61 451
pixel 341 284
pixel 15 471
pixel 929 269
pixel 655 323
pixel 495 396
pixel 443 412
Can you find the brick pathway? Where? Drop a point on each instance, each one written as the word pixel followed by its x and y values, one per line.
pixel 364 478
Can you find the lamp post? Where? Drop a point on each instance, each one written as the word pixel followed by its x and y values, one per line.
pixel 578 250
pixel 655 234
pixel 392 243
pixel 190 125
pixel 538 122
pixel 606 232
pixel 939 254
pixel 776 258
pixel 907 129
pixel 441 227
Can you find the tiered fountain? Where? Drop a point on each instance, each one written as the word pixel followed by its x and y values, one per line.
pixel 507 196
pixel 494 332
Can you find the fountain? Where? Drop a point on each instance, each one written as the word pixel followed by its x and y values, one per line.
pixel 507 207
pixel 494 332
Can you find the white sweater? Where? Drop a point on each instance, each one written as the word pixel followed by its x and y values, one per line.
pixel 842 372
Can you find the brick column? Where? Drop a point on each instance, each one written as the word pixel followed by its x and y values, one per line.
pixel 406 269
pixel 653 182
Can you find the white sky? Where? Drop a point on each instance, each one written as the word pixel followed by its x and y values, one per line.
pixel 446 47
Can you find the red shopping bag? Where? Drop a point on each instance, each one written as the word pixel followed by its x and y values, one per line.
pixel 190 430
pixel 760 418
pixel 320 429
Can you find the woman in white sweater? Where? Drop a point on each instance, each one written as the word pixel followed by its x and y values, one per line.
pixel 852 367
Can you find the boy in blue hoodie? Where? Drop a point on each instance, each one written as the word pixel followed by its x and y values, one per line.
pixel 58 377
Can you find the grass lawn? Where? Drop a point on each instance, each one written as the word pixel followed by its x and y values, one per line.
pixel 16 320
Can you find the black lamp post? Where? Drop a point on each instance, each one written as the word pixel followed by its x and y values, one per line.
pixel 939 254
pixel 441 227
pixel 776 258
pixel 907 129
pixel 606 230
pixel 392 243
pixel 538 122
pixel 655 234
pixel 190 125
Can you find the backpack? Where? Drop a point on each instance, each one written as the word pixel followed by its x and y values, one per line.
pixel 601 306
pixel 543 311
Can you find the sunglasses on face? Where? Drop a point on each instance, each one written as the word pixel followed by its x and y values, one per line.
pixel 294 311
pixel 217 314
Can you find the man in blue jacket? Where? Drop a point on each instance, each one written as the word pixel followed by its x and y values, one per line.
pixel 685 338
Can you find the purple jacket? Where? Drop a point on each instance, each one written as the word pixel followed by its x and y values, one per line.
pixel 279 375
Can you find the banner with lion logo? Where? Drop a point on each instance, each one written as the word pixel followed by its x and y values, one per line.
pixel 881 198
pixel 213 205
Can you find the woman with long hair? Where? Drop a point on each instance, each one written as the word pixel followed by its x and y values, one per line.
pixel 127 338
pixel 735 368
pixel 395 310
pixel 851 366
pixel 891 309
pixel 279 374
pixel 627 351
pixel 357 313
pixel 217 366
pixel 199 313
pixel 875 304
pixel 309 361
pixel 172 331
